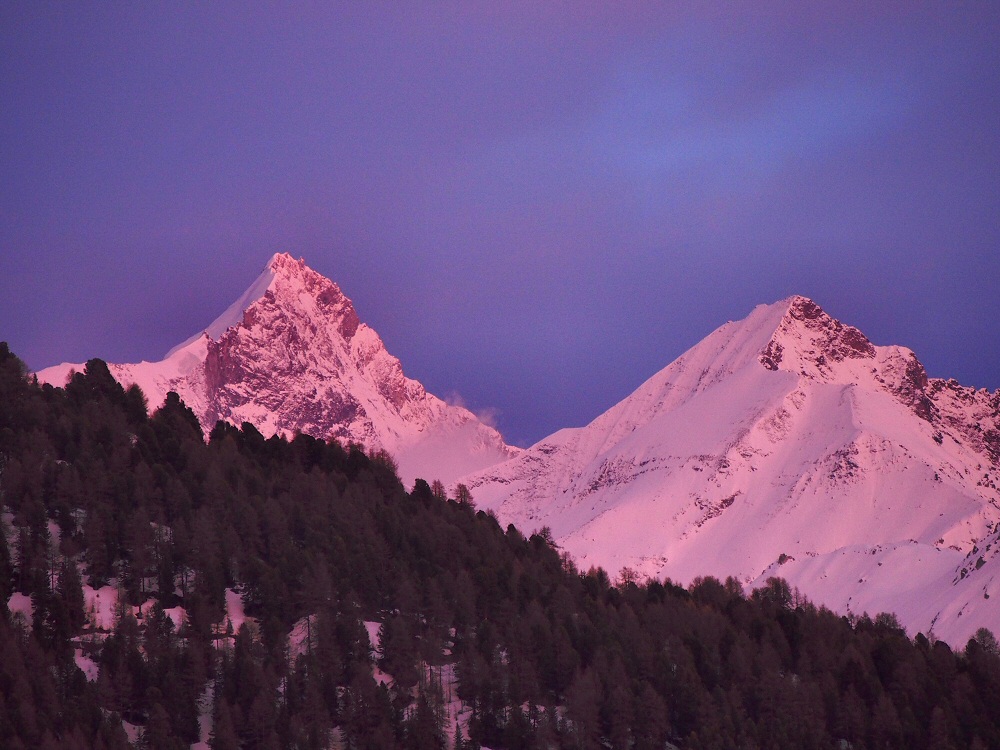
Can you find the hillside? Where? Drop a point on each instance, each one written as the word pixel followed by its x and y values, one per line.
pixel 249 580
pixel 786 443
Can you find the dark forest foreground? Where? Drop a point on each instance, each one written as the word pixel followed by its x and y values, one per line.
pixel 474 620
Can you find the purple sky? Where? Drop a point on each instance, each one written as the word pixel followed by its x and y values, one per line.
pixel 536 209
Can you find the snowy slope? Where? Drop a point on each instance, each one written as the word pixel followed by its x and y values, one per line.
pixel 290 355
pixel 787 435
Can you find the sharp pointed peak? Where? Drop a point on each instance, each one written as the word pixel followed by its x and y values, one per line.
pixel 802 311
pixel 283 261
pixel 803 308
pixel 807 333
pixel 796 305
pixel 282 272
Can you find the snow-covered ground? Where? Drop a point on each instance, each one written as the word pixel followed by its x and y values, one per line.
pixel 787 433
pixel 86 664
pixel 373 637
pixel 20 605
pixel 101 606
pixel 235 614
pixel 205 718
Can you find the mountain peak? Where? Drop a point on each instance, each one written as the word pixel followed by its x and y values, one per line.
pixel 284 262
pixel 281 270
pixel 803 308
pixel 814 345
pixel 291 355
pixel 810 341
pixel 301 292
pixel 784 444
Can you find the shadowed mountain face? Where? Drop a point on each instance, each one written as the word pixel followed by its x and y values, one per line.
pixel 783 444
pixel 292 356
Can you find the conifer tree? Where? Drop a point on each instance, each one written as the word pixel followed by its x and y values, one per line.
pixel 69 589
pixel 6 565
pixel 223 735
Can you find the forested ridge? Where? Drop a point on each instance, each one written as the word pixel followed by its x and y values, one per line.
pixel 319 538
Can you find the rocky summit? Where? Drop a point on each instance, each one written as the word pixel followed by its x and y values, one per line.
pixel 291 355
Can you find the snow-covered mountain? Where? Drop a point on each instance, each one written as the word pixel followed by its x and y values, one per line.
pixel 783 444
pixel 291 355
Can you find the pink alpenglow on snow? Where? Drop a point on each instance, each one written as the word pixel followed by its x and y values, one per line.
pixel 291 355
pixel 785 444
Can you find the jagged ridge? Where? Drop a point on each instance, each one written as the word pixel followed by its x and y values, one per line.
pixel 291 355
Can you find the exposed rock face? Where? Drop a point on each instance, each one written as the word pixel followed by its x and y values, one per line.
pixel 292 356
pixel 785 436
pixel 816 344
pixel 967 415
pixel 833 339
pixel 821 343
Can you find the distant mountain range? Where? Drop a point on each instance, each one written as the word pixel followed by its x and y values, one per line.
pixel 785 444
